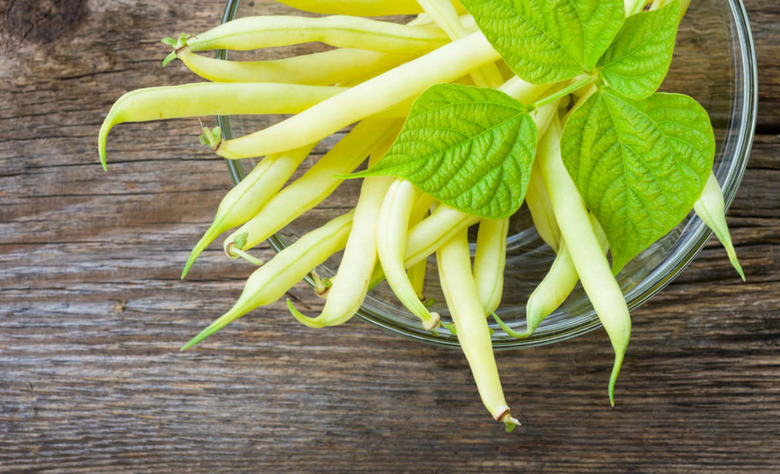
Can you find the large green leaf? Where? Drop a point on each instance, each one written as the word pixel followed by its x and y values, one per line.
pixel 470 148
pixel 637 62
pixel 639 165
pixel 546 41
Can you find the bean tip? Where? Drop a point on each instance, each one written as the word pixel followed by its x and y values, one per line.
pixel 190 261
pixel 302 318
pixel 509 331
pixel 321 285
pixel 204 242
pixel 613 377
pixel 510 422
pixel 109 122
pixel 187 346
pixel 234 243
pixel 433 322
pixel 200 337
pixel 211 138
pixel 735 262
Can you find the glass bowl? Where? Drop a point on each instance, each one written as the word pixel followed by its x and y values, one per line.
pixel 714 62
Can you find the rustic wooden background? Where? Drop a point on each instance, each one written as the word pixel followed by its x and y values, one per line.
pixel 92 311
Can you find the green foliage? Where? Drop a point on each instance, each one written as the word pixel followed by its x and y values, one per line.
pixel 639 165
pixel 636 63
pixel 470 148
pixel 548 40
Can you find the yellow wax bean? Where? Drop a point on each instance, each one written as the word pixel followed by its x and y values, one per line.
pixel 558 284
pixel 590 262
pixel 350 285
pixel 538 201
pixel 536 195
pixel 711 209
pixel 445 15
pixel 490 261
pixel 417 271
pixel 258 32
pixel 524 92
pixel 338 66
pixel 375 95
pixel 430 234
pixel 417 278
pixel 272 280
pixel 316 184
pixel 433 231
pixel 490 256
pixel 199 99
pixel 246 199
pixel 391 247
pixel 473 332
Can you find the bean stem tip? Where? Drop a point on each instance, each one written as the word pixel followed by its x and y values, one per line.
pixel 302 318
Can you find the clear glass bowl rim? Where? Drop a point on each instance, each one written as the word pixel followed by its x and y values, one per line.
pixel 669 269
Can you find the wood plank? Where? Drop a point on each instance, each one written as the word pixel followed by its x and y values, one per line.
pixel 92 310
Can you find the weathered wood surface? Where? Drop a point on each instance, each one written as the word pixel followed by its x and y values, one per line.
pixel 92 311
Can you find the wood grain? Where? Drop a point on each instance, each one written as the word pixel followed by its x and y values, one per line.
pixel 92 310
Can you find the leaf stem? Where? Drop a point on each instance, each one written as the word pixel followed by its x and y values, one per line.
pixel 563 92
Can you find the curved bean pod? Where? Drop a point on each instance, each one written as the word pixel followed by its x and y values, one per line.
pixel 350 285
pixel 490 261
pixel 249 196
pixel 590 262
pixel 490 256
pixel 536 196
pixel 558 284
pixel 538 201
pixel 257 32
pixel 553 290
pixel 429 235
pixel 199 99
pixel 338 66
pixel 417 271
pixel 391 247
pixel 433 231
pixel 370 97
pixel 473 332
pixel 271 281
pixel 416 275
pixel 315 185
pixel 711 209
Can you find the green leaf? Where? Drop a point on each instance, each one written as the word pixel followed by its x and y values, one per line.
pixel 639 165
pixel 637 62
pixel 470 148
pixel 547 41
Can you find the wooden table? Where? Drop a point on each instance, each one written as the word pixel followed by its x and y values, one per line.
pixel 92 311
